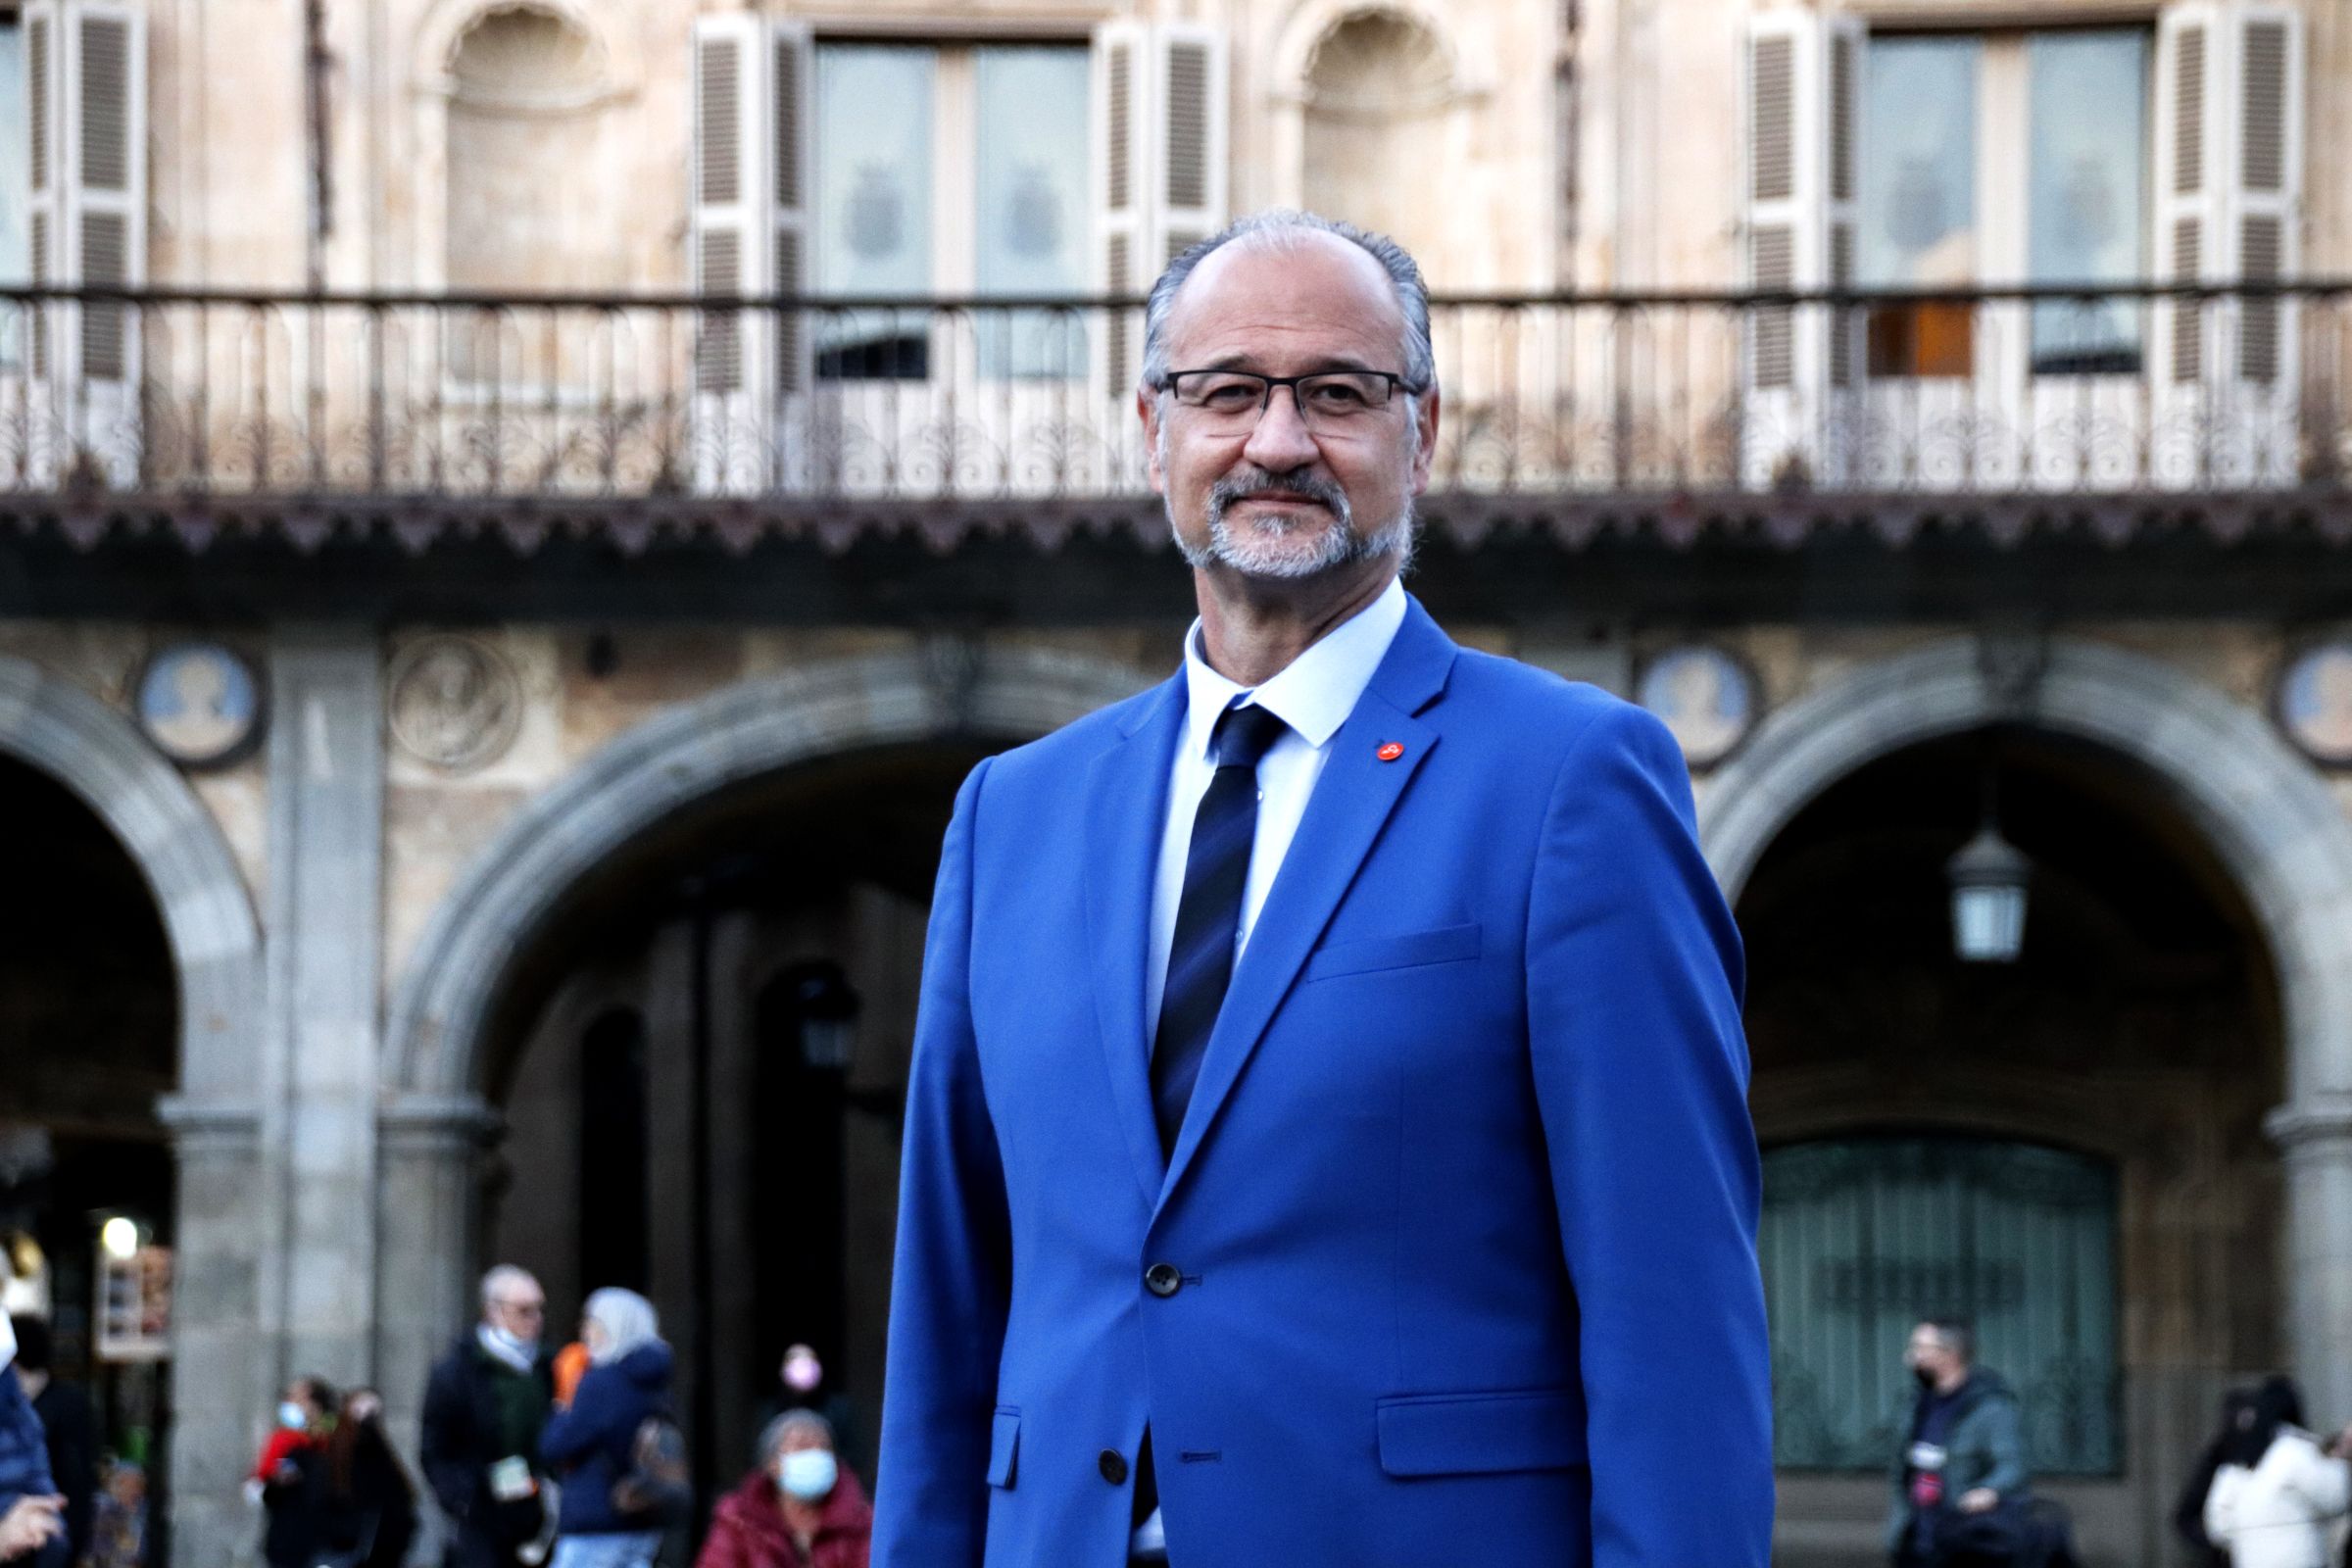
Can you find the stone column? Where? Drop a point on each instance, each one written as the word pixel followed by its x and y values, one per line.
pixel 431 1150
pixel 2314 1134
pixel 224 1365
pixel 325 925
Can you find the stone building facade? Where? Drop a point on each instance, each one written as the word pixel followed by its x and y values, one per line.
pixel 517 704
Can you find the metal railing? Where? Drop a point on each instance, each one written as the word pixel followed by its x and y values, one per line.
pixel 197 397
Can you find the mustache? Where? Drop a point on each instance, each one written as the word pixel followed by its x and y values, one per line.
pixel 1244 483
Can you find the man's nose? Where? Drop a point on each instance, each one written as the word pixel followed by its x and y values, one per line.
pixel 1281 442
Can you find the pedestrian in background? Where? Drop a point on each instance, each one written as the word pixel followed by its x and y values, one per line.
pixel 798 1508
pixel 483 1409
pixel 2189 1512
pixel 292 1474
pixel 32 1512
pixel 592 1446
pixel 67 1422
pixel 1966 1452
pixel 2278 1499
pixel 371 1512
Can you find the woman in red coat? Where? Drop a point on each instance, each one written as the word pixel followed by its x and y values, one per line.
pixel 800 1509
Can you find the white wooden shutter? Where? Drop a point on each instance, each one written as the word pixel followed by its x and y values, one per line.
pixel 732 235
pixel 791 86
pixel 2230 156
pixel 86 63
pixel 1189 119
pixel 44 104
pixel 1122 163
pixel 1802 117
pixel 2186 137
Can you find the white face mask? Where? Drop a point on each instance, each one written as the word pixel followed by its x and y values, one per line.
pixel 808 1474
pixel 8 1342
pixel 293 1417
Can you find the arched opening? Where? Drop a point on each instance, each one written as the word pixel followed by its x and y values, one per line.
pixel 1379 90
pixel 89 1024
pixel 701 1057
pixel 2067 1147
pixel 528 209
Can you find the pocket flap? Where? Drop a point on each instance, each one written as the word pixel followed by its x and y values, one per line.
pixel 1004 1446
pixel 1474 1434
pixel 1444 944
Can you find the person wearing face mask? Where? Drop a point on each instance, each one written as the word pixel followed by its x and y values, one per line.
pixel 592 1445
pixel 799 1510
pixel 291 1474
pixel 1966 1453
pixel 33 1532
pixel 483 1409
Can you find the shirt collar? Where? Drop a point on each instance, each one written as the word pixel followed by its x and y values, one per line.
pixel 1314 693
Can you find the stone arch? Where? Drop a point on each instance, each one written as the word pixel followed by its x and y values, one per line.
pixel 219 1365
pixel 207 912
pixel 675 759
pixel 2267 816
pixel 1376 88
pixel 434 1121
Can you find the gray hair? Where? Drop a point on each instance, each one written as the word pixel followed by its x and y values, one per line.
pixel 503 1278
pixel 772 1436
pixel 1956 1335
pixel 1285 226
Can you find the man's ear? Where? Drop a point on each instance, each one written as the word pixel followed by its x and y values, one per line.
pixel 1425 436
pixel 1147 410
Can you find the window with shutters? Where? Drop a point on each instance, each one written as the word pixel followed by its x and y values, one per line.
pixel 1996 159
pixel 950 169
pixel 15 181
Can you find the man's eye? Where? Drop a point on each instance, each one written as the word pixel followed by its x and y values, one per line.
pixel 1336 396
pixel 1229 394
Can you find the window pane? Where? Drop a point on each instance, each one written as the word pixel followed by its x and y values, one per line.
pixel 873 204
pixel 2086 190
pixel 1919 200
pixel 1863 1236
pixel 15 186
pixel 1919 164
pixel 1031 143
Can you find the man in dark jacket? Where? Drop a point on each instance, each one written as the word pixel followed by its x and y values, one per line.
pixel 1965 1457
pixel 67 1422
pixel 30 1507
pixel 487 1399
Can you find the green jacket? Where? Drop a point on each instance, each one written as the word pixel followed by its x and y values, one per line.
pixel 1985 1446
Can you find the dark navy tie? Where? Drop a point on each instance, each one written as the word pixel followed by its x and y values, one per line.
pixel 1209 917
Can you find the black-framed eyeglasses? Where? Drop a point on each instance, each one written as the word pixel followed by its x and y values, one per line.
pixel 1328 401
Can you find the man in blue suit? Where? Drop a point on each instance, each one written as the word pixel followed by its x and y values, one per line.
pixel 1327 1138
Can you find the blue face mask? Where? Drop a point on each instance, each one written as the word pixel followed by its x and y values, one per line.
pixel 808 1475
pixel 293 1417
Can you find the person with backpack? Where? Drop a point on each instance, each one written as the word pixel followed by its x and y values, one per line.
pixel 799 1510
pixel 613 1513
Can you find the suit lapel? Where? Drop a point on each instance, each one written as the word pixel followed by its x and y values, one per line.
pixel 1126 809
pixel 1351 803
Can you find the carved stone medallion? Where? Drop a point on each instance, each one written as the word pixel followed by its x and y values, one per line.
pixel 454 703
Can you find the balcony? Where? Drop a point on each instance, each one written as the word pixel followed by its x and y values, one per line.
pixel 1778 415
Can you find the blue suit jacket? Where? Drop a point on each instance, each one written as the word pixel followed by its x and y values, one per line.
pixel 1463 1209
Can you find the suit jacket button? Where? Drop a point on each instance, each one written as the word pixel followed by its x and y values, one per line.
pixel 1162 1279
pixel 1113 1466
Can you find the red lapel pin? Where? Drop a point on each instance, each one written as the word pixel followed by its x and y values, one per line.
pixel 1390 751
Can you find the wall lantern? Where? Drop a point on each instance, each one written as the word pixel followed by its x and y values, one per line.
pixel 1988 878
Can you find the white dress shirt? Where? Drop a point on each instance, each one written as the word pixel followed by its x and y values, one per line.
pixel 1312 695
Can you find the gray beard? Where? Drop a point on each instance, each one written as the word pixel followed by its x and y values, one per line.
pixel 1342 543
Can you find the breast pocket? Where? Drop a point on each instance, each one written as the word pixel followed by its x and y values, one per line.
pixel 1445 944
